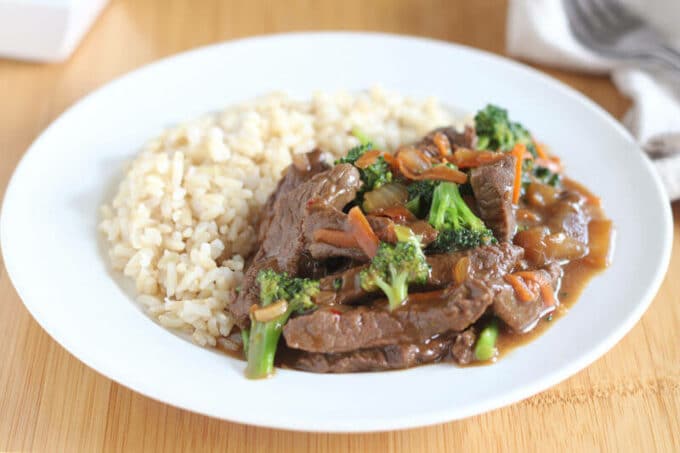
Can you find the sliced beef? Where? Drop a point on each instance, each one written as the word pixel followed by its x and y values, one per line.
pixel 391 357
pixel 492 185
pixel 462 350
pixel 342 329
pixel 522 316
pixel 316 162
pixel 284 242
pixel 486 262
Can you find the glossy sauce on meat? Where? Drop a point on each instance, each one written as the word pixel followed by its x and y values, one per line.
pixel 544 250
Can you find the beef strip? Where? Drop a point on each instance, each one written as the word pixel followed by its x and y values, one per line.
pixel 283 247
pixel 492 185
pixel 522 316
pixel 488 262
pixel 293 177
pixel 462 349
pixel 391 357
pixel 343 329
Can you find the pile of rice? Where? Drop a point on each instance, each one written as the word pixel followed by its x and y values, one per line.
pixel 184 216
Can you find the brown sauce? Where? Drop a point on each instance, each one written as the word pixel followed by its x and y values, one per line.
pixel 577 274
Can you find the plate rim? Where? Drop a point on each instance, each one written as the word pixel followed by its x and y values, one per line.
pixel 368 425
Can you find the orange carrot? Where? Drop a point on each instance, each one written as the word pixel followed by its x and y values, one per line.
pixel 548 295
pixel 543 283
pixel 338 238
pixel 524 293
pixel 362 232
pixel 518 151
pixel 443 144
pixel 540 150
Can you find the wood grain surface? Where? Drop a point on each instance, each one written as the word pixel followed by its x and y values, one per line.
pixel 629 400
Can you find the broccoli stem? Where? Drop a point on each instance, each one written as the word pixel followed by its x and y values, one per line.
pixel 363 138
pixel 485 349
pixel 397 291
pixel 262 343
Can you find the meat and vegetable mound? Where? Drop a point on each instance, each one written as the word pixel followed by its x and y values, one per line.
pixel 433 252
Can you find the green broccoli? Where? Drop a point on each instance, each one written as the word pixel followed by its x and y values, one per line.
pixel 485 349
pixel 290 295
pixel 420 196
pixel 376 174
pixel 396 266
pixel 546 176
pixel 459 228
pixel 496 132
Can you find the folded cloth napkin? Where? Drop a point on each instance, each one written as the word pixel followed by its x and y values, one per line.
pixel 538 30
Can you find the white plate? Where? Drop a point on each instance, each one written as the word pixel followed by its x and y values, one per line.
pixel 51 251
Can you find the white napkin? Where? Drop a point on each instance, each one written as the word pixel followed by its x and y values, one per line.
pixel 538 30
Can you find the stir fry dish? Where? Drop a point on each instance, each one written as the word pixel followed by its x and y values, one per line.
pixel 451 249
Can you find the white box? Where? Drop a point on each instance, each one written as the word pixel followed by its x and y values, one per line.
pixel 45 30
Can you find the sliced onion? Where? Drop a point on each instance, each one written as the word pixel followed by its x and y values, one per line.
pixel 412 162
pixel 270 312
pixel 468 158
pixel 386 196
pixel 444 173
pixel 600 234
pixel 461 270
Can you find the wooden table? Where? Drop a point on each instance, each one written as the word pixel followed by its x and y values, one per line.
pixel 628 400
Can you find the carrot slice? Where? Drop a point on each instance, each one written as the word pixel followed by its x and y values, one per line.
pixel 524 293
pixel 338 238
pixel 362 232
pixel 443 144
pixel 540 150
pixel 518 151
pixel 548 295
pixel 543 283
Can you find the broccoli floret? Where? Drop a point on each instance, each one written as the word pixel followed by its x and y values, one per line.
pixel 294 295
pixel 496 132
pixel 459 228
pixel 546 176
pixel 376 174
pixel 396 266
pixel 420 196
pixel 355 153
pixel 461 239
